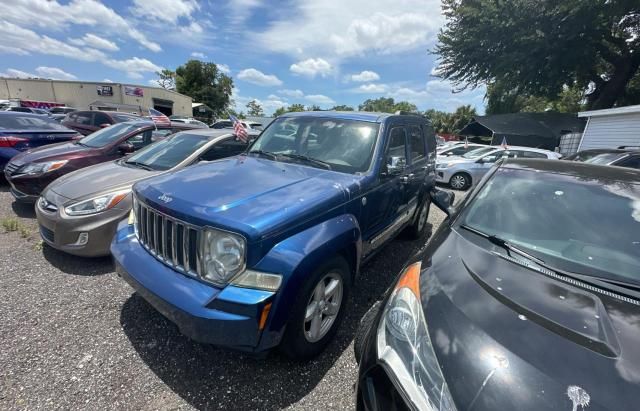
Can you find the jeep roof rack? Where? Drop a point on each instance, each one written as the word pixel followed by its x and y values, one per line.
pixel 408 113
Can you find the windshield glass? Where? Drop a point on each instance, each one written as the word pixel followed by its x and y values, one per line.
pixel 478 152
pixel 604 158
pixel 108 135
pixel 22 122
pixel 575 223
pixel 168 153
pixel 346 145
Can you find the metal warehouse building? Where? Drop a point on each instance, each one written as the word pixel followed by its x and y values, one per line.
pixel 611 128
pixel 96 95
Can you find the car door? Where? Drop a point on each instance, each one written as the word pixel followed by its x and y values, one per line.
pixel 385 205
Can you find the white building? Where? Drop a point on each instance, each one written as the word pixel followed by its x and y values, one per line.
pixel 611 128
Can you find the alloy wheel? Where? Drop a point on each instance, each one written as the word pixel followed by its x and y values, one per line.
pixel 422 219
pixel 323 307
pixel 458 182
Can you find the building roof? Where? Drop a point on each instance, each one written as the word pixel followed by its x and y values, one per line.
pixel 547 125
pixel 610 111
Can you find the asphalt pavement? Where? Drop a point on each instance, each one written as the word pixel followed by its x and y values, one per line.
pixel 75 336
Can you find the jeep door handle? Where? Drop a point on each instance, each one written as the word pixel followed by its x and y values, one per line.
pixel 406 179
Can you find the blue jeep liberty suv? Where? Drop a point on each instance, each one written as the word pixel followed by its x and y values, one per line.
pixel 261 250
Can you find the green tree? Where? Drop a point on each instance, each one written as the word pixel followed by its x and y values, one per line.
pixel 386 105
pixel 279 111
pixel 204 83
pixel 166 79
pixel 502 100
pixel 342 107
pixel 254 109
pixel 451 123
pixel 539 47
pixel 292 108
pixel 314 107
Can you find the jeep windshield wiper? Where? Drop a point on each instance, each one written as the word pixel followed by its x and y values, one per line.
pixel 268 154
pixel 307 159
pixel 591 279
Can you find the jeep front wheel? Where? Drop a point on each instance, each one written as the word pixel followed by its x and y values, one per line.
pixel 318 311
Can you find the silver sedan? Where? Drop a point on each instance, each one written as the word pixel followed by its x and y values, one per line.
pixel 462 172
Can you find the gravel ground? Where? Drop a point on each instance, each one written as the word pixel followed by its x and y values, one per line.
pixel 75 336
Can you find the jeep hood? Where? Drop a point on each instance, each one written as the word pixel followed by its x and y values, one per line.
pixel 257 197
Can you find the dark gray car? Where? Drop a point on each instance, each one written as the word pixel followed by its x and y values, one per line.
pixel 78 213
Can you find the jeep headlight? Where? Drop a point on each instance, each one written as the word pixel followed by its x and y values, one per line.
pixel 404 345
pixel 40 168
pixel 97 204
pixel 223 255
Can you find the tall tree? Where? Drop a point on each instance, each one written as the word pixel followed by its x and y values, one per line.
pixel 502 100
pixel 539 47
pixel 314 107
pixel 204 83
pixel 386 105
pixel 166 79
pixel 450 123
pixel 292 108
pixel 254 109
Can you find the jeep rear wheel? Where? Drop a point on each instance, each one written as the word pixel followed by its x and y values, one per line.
pixel 318 310
pixel 417 229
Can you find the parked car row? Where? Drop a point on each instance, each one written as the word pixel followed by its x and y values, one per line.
pixel 255 245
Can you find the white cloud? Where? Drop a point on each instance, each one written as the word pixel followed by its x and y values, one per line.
pixel 107 80
pixel 273 97
pixel 134 67
pixel 13 50
pixel 153 83
pixel 312 68
pixel 15 73
pixel 372 88
pixel 320 99
pixel 291 93
pixel 94 41
pixel 198 55
pixel 165 10
pixel 54 16
pixel 365 76
pixel 257 77
pixel 54 73
pixel 224 68
pixel 361 26
pixel 435 86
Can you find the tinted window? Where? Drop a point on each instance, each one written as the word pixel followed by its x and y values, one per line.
pixel 99 119
pixel 563 204
pixel 417 144
pixel 533 154
pixel 29 122
pixel 225 148
pixel 168 153
pixel 108 135
pixel 633 162
pixel 21 109
pixel 84 118
pixel 605 158
pixel 346 145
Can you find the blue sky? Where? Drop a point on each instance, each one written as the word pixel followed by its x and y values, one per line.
pixel 322 52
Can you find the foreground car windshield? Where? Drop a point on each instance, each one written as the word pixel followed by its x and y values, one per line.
pixel 478 152
pixel 22 122
pixel 108 135
pixel 346 145
pixel 167 153
pixel 575 223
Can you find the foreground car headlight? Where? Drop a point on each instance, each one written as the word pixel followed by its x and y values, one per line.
pixel 44 167
pixel 223 255
pixel 97 204
pixel 404 346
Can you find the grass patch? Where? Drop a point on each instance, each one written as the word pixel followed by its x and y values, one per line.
pixel 13 224
pixel 38 246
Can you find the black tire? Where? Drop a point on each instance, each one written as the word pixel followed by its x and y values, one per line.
pixel 366 323
pixel 417 229
pixel 460 181
pixel 295 343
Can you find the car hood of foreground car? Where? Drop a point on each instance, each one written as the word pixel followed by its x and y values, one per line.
pixel 509 338
pixel 257 197
pixel 98 179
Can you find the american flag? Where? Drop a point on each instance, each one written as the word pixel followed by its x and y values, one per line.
pixel 159 118
pixel 239 129
pixel 504 143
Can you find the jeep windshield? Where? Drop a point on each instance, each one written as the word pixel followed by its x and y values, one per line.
pixel 329 143
pixel 574 223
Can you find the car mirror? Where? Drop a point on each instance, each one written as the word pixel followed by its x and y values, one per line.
pixel 443 200
pixel 487 159
pixel 104 125
pixel 396 165
pixel 126 148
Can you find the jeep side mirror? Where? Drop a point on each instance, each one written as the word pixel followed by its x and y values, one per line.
pixel 443 200
pixel 396 165
pixel 126 148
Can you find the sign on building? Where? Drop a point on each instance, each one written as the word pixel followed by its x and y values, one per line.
pixel 105 91
pixel 133 91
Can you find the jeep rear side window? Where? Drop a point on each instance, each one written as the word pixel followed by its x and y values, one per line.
pixel 416 142
pixel 431 137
